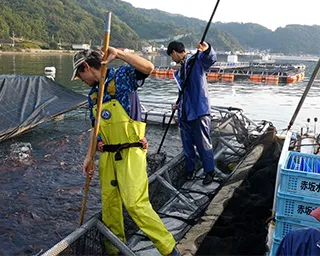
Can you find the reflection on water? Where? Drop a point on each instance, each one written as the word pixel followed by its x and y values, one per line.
pixel 41 197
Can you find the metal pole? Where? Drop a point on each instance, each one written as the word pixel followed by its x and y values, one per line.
pixel 114 239
pixel 187 77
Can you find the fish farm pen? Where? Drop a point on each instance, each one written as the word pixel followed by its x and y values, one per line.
pixel 269 73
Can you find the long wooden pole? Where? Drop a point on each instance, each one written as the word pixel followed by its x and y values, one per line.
pixel 188 74
pixel 104 49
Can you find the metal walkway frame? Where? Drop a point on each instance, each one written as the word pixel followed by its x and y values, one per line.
pixel 185 203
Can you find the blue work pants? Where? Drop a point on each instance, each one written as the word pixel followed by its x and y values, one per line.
pixel 196 133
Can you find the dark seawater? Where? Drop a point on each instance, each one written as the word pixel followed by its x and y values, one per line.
pixel 40 197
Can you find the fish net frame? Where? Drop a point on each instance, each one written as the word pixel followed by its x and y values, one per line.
pixel 227 123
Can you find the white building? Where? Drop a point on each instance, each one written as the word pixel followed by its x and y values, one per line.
pixel 126 50
pixel 81 46
pixel 147 49
pixel 232 58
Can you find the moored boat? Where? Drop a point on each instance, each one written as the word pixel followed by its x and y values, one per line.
pixel 296 194
pixel 296 188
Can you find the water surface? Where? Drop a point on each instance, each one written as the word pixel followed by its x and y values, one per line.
pixel 40 198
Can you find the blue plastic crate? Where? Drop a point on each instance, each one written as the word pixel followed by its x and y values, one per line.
pixel 300 174
pixel 297 206
pixel 302 162
pixel 284 225
pixel 300 183
pixel 274 247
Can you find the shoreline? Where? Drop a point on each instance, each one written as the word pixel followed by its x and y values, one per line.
pixel 51 52
pixel 69 52
pixel 39 52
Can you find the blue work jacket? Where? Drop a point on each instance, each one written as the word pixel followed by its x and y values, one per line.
pixel 195 96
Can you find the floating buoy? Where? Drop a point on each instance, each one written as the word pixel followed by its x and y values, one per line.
pixel 50 72
pixel 227 77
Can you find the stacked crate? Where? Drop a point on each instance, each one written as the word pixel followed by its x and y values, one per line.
pixel 298 195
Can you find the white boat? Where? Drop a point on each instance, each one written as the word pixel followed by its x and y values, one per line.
pixel 264 59
pixel 297 187
pixel 161 113
pixel 157 115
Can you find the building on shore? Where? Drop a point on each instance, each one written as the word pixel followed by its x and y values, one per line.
pixel 126 50
pixel 81 46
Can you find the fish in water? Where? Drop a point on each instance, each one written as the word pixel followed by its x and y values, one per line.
pixel 21 151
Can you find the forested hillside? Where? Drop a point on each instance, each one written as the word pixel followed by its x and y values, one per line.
pixel 45 23
pixel 156 24
pixel 297 39
pixel 61 20
pixel 292 39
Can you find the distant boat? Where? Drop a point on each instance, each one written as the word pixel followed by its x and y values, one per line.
pixel 264 59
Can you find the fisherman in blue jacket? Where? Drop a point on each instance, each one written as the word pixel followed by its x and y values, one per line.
pixel 300 242
pixel 194 106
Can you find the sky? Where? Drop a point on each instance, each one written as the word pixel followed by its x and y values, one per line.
pixel 269 13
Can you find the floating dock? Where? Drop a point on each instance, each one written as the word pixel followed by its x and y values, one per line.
pixel 269 73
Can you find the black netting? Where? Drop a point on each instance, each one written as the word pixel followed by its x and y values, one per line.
pixel 246 233
pixel 27 101
pixel 90 243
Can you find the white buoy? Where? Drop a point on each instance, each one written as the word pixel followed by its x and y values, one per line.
pixel 307 143
pixel 50 72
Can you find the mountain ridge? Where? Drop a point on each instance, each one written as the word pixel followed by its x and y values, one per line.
pixel 82 21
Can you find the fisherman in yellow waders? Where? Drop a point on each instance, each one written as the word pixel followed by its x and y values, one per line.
pixel 122 165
